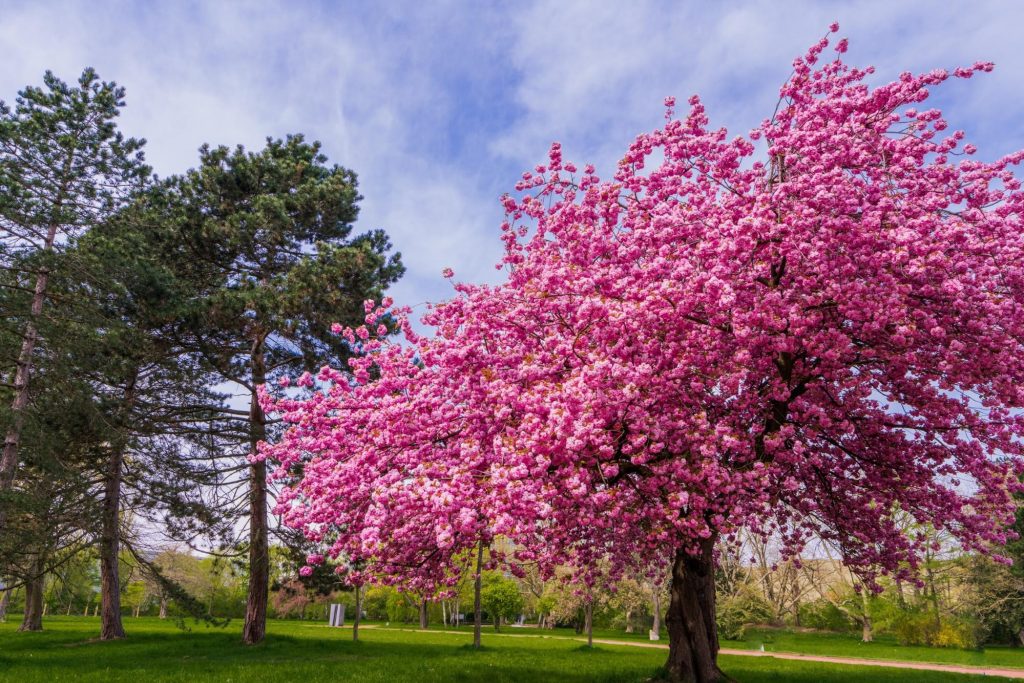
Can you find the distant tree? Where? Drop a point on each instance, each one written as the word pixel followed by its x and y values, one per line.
pixel 501 599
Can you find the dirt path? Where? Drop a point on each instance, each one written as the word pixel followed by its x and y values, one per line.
pixel 853 661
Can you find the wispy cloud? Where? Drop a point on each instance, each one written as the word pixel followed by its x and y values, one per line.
pixel 439 106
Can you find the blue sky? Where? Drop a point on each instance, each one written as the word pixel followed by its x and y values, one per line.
pixel 439 106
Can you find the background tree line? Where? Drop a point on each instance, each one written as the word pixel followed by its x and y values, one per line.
pixel 962 600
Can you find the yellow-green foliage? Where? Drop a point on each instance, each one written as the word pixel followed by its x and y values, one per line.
pixel 923 628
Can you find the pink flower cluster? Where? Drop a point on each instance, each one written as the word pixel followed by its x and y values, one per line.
pixel 811 341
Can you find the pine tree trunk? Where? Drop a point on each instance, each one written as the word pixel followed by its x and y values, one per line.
pixel 9 458
pixel 111 627
pixel 255 627
pixel 33 617
pixel 4 602
pixel 359 609
pixel 423 613
pixel 693 635
pixel 477 583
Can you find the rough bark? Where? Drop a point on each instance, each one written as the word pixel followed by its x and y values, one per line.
pixel 477 583
pixel 22 375
pixel 255 627
pixel 32 619
pixel 693 635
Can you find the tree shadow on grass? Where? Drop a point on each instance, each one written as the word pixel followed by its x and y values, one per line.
pixel 769 670
pixel 161 654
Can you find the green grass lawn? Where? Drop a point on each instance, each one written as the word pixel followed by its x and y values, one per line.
pixel 810 642
pixel 310 652
pixel 884 647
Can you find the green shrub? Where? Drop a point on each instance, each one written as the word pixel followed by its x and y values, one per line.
pixel 744 608
pixel 920 627
pixel 959 633
pixel 916 627
pixel 824 616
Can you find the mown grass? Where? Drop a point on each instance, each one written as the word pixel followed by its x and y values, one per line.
pixel 301 651
pixel 883 647
pixel 810 642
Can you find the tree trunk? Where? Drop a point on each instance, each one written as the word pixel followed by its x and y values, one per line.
pixel 477 582
pixel 255 627
pixel 423 613
pixel 138 608
pixel 163 606
pixel 656 600
pixel 588 623
pixel 629 621
pixel 867 635
pixel 359 609
pixel 693 636
pixel 9 458
pixel 111 627
pixel 4 602
pixel 33 617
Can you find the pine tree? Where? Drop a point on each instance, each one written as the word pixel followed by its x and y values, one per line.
pixel 273 232
pixel 63 166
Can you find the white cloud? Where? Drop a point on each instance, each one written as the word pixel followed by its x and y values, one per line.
pixel 594 74
pixel 439 106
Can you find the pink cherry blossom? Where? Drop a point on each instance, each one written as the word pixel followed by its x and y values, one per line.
pixel 811 340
